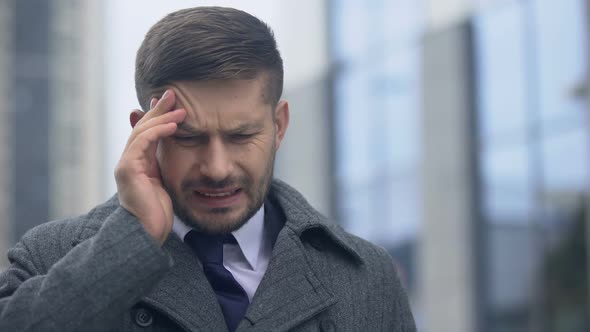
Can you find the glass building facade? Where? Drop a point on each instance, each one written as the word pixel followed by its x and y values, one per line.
pixel 531 147
pixel 376 100
pixel 533 135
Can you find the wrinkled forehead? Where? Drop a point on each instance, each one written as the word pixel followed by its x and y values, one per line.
pixel 222 104
pixel 245 87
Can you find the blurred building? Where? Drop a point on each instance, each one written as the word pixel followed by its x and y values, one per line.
pixel 51 124
pixel 453 133
pixel 5 128
pixel 462 146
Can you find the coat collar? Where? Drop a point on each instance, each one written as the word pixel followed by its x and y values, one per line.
pixel 290 291
pixel 301 217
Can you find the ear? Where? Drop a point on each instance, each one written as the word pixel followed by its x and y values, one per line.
pixel 281 121
pixel 135 116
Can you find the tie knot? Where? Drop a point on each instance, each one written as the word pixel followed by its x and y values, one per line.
pixel 209 248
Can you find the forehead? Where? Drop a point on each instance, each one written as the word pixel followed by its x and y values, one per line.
pixel 244 90
pixel 216 103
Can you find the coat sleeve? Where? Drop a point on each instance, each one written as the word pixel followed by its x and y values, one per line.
pixel 89 288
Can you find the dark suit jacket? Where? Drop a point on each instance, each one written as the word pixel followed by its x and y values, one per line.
pixel 103 272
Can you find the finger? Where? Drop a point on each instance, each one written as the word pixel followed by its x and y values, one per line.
pixel 175 116
pixel 145 143
pixel 164 104
pixel 153 102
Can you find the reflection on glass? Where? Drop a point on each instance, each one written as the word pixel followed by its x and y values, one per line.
pixel 508 192
pixel 534 165
pixel 378 148
pixel 400 201
pixel 501 65
pixel 560 41
pixel 376 120
pixel 401 118
pixel 565 161
pixel 353 127
pixel 376 116
pixel 350 29
pixel 511 262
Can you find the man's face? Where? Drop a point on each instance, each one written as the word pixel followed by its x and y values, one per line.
pixel 218 166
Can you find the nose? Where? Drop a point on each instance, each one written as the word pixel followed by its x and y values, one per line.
pixel 216 162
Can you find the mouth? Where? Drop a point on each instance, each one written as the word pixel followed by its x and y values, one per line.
pixel 218 198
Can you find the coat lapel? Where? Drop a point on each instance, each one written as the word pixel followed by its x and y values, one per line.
pixel 290 292
pixel 185 294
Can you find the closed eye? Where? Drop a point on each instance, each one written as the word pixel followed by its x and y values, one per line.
pixel 241 137
pixel 189 139
pixel 184 138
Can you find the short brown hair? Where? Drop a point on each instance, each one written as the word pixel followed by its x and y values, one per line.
pixel 207 43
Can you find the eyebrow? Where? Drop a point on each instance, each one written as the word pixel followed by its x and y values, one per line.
pixel 239 129
pixel 186 127
pixel 245 128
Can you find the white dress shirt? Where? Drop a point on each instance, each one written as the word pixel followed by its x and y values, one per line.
pixel 247 261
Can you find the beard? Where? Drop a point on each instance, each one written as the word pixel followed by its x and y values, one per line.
pixel 256 191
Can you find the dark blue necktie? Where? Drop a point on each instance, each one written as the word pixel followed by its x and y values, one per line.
pixel 231 296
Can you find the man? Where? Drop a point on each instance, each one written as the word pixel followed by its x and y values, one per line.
pixel 199 236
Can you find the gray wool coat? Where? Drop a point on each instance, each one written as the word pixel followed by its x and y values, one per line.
pixel 103 272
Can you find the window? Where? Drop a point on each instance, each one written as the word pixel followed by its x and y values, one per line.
pixel 376 114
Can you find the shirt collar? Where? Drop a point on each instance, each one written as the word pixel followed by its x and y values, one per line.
pixel 249 237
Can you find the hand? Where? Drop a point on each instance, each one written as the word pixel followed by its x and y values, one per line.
pixel 137 174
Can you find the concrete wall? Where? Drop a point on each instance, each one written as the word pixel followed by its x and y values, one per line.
pixel 445 261
pixel 440 14
pixel 304 158
pixel 76 126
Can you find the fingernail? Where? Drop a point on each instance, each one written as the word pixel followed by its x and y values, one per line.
pixel 153 102
pixel 166 94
